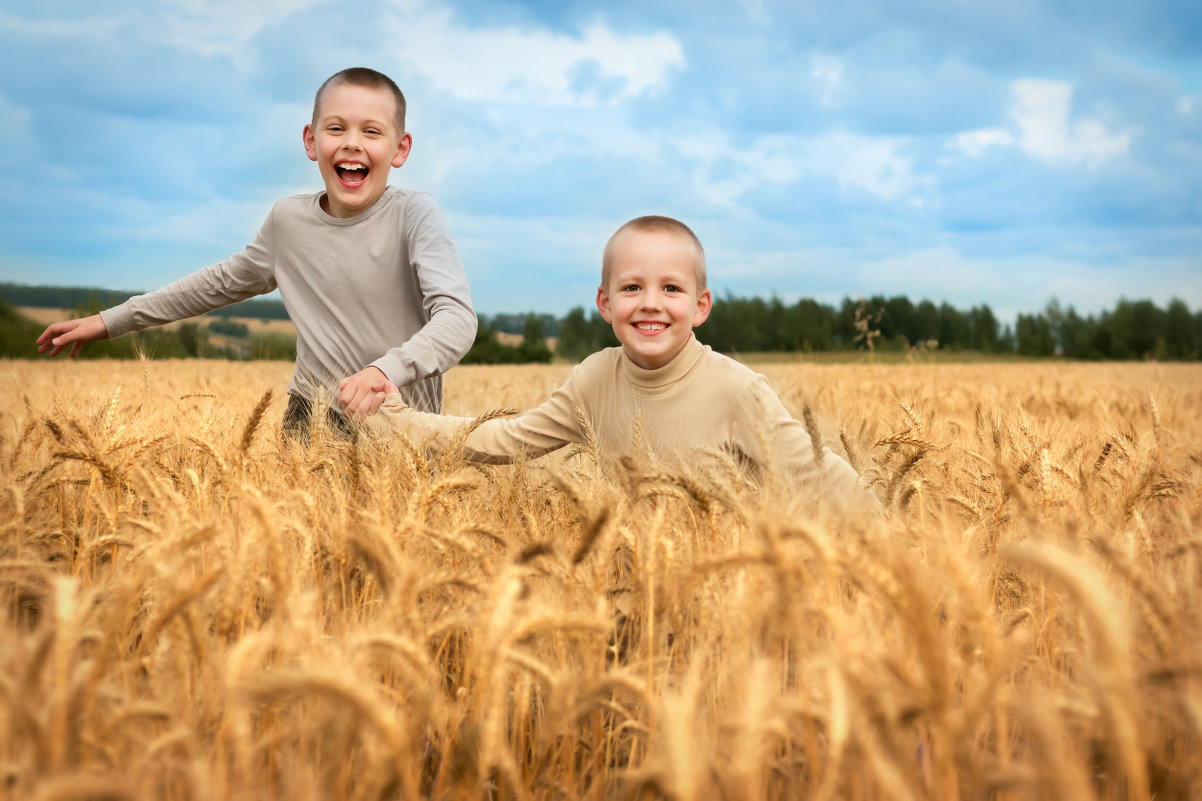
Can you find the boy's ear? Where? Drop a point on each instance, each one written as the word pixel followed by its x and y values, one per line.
pixel 603 305
pixel 705 302
pixel 310 142
pixel 402 150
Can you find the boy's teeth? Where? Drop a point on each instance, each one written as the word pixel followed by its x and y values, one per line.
pixel 651 326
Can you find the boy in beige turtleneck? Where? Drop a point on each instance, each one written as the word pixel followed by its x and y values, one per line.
pixel 662 395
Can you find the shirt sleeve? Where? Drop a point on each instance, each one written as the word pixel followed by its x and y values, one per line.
pixel 450 326
pixel 242 276
pixel 558 422
pixel 780 440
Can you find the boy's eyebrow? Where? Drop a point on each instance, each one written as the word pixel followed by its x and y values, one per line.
pixel 642 278
pixel 340 118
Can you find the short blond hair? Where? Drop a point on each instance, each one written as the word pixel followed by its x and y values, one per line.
pixel 650 224
pixel 370 79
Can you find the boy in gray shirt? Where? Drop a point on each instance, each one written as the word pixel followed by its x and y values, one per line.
pixel 368 273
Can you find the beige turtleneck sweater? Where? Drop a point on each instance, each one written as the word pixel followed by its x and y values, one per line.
pixel 699 404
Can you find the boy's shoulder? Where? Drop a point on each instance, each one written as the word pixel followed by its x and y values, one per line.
pixel 738 383
pixel 732 369
pixel 599 364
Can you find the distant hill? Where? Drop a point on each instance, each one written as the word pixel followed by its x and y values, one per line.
pixel 91 300
pixel 59 297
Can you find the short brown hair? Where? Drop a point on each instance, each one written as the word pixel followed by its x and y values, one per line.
pixel 654 223
pixel 364 76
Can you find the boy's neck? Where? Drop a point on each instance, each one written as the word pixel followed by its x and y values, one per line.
pixel 323 202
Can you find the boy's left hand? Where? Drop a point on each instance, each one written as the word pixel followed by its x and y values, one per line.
pixel 361 394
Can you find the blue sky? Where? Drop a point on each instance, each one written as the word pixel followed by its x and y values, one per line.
pixel 999 153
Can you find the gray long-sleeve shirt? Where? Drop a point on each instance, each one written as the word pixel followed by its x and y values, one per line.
pixel 383 288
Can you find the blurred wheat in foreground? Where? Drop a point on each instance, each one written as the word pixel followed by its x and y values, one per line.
pixel 195 609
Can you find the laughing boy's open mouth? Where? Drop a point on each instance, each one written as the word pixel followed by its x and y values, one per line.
pixel 351 173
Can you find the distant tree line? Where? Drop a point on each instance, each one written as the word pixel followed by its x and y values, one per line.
pixel 488 349
pixel 745 325
pixel 18 336
pixel 1133 329
pixel 59 297
pixel 62 297
pixel 518 323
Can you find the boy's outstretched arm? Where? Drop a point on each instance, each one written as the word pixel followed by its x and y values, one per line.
pixel 493 440
pixel 75 333
pixel 450 321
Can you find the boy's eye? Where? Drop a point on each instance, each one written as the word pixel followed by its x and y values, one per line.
pixel 671 288
pixel 630 288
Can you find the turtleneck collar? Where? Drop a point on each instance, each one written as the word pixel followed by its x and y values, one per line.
pixel 671 372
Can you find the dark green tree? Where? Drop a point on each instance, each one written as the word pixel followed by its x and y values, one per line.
pixel 984 328
pixel 1078 336
pixel 1034 335
pixel 1179 331
pixel 581 334
pixel 534 344
pixel 926 321
pixel 955 331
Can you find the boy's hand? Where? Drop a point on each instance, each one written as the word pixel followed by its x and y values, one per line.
pixel 361 394
pixel 75 333
pixel 385 386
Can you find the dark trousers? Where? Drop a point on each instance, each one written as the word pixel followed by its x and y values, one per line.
pixel 298 419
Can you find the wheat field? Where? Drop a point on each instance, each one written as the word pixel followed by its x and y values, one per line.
pixel 195 608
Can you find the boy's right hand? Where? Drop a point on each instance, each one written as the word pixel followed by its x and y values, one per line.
pixel 75 333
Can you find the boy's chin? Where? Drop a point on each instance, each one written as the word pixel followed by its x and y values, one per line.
pixel 343 202
pixel 649 361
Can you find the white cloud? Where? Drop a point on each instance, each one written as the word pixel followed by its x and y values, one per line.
pixel 768 160
pixel 974 143
pixel 531 65
pixel 222 27
pixel 1043 125
pixel 869 163
pixel 872 164
pixel 84 28
pixel 207 27
pixel 1042 112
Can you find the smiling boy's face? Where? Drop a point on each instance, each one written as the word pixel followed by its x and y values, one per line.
pixel 651 295
pixel 355 139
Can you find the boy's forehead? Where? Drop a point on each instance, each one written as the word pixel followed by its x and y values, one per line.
pixel 658 251
pixel 653 246
pixel 339 97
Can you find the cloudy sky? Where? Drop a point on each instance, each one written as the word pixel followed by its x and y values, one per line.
pixel 973 152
